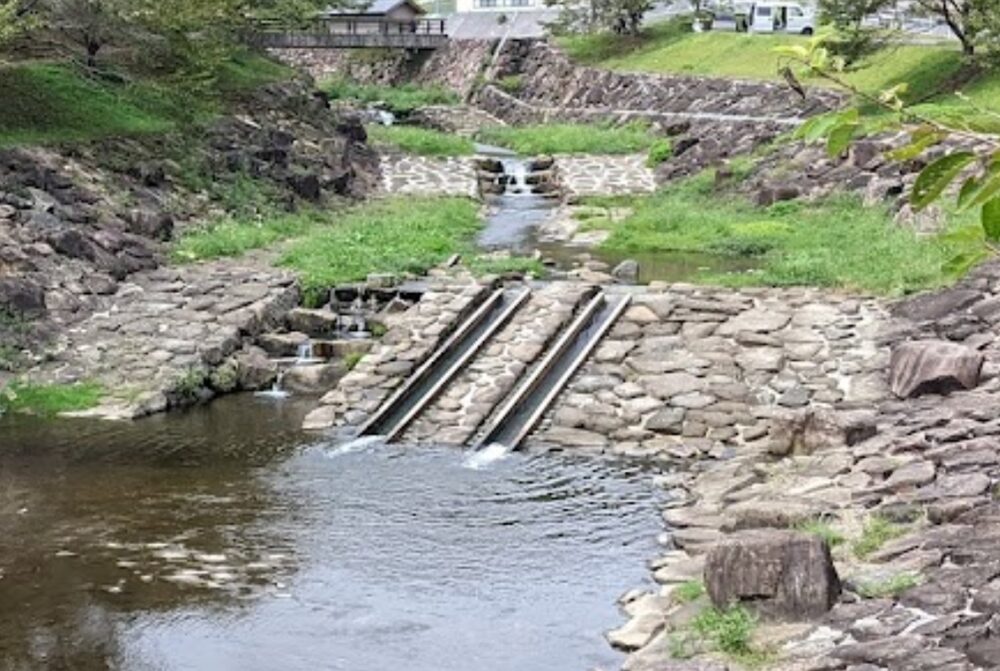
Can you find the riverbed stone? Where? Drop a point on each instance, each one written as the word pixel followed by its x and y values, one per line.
pixel 776 573
pixel 934 366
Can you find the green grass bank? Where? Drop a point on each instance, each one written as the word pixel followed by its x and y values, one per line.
pixel 837 242
pixel 50 102
pixel 934 72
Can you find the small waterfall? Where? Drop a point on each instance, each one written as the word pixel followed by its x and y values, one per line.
pixel 517 170
pixel 305 352
pixel 275 391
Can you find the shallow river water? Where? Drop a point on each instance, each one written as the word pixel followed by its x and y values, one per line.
pixel 222 538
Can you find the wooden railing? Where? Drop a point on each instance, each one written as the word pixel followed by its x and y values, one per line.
pixel 355 32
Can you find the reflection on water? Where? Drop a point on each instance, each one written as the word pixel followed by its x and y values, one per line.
pixel 654 266
pixel 224 539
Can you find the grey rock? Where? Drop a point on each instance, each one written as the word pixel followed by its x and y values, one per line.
pixel 933 366
pixel 627 271
pixel 254 370
pixel 21 296
pixel 313 379
pixel 667 420
pixel 314 323
pixel 776 573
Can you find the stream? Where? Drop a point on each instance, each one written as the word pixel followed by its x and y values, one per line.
pixel 223 538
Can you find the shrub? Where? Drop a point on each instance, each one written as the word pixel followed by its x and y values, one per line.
pixel 891 587
pixel 659 152
pixel 823 530
pixel 692 590
pixel 510 84
pixel 877 532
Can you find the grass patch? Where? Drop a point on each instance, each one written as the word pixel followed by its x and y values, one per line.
pixel 236 236
pixel 659 151
pixel 689 591
pixel 502 265
pixel 876 532
pixel 892 587
pixel 46 103
pixel 837 242
pixel 399 100
pixel 422 141
pixel 569 138
pixel 397 235
pixel 822 529
pixel 728 632
pixel 48 400
pixel 352 359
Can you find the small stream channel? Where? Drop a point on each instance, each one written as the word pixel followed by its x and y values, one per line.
pixel 514 216
pixel 223 538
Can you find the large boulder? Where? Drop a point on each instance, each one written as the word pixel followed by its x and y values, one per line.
pixel 777 573
pixel 933 366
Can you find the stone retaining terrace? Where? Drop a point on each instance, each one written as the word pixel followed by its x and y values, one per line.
pixel 166 329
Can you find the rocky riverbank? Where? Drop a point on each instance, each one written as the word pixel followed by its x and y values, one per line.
pixel 772 412
pixel 85 231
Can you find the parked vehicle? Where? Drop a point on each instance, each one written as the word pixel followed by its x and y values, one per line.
pixel 778 17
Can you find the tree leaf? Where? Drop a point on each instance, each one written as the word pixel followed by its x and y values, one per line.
pixel 960 264
pixel 795 51
pixel 935 178
pixel 991 220
pixel 978 190
pixel 921 143
pixel 840 138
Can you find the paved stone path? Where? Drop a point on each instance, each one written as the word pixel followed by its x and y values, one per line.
pixel 161 325
pixel 466 403
pixel 425 176
pixel 604 175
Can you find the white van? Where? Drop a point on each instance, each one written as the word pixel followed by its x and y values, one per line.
pixel 781 17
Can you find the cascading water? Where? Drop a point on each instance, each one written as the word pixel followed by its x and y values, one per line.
pixel 516 171
pixel 305 352
pixel 519 210
pixel 276 390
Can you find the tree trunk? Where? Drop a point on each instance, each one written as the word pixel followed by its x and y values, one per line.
pixel 93 46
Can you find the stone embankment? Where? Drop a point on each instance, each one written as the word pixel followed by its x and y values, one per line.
pixel 173 336
pixel 920 463
pixel 85 228
pixel 428 176
pixel 456 67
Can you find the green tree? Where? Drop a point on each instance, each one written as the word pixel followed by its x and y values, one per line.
pixel 623 17
pixel 853 40
pixel 971 21
pixel 16 17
